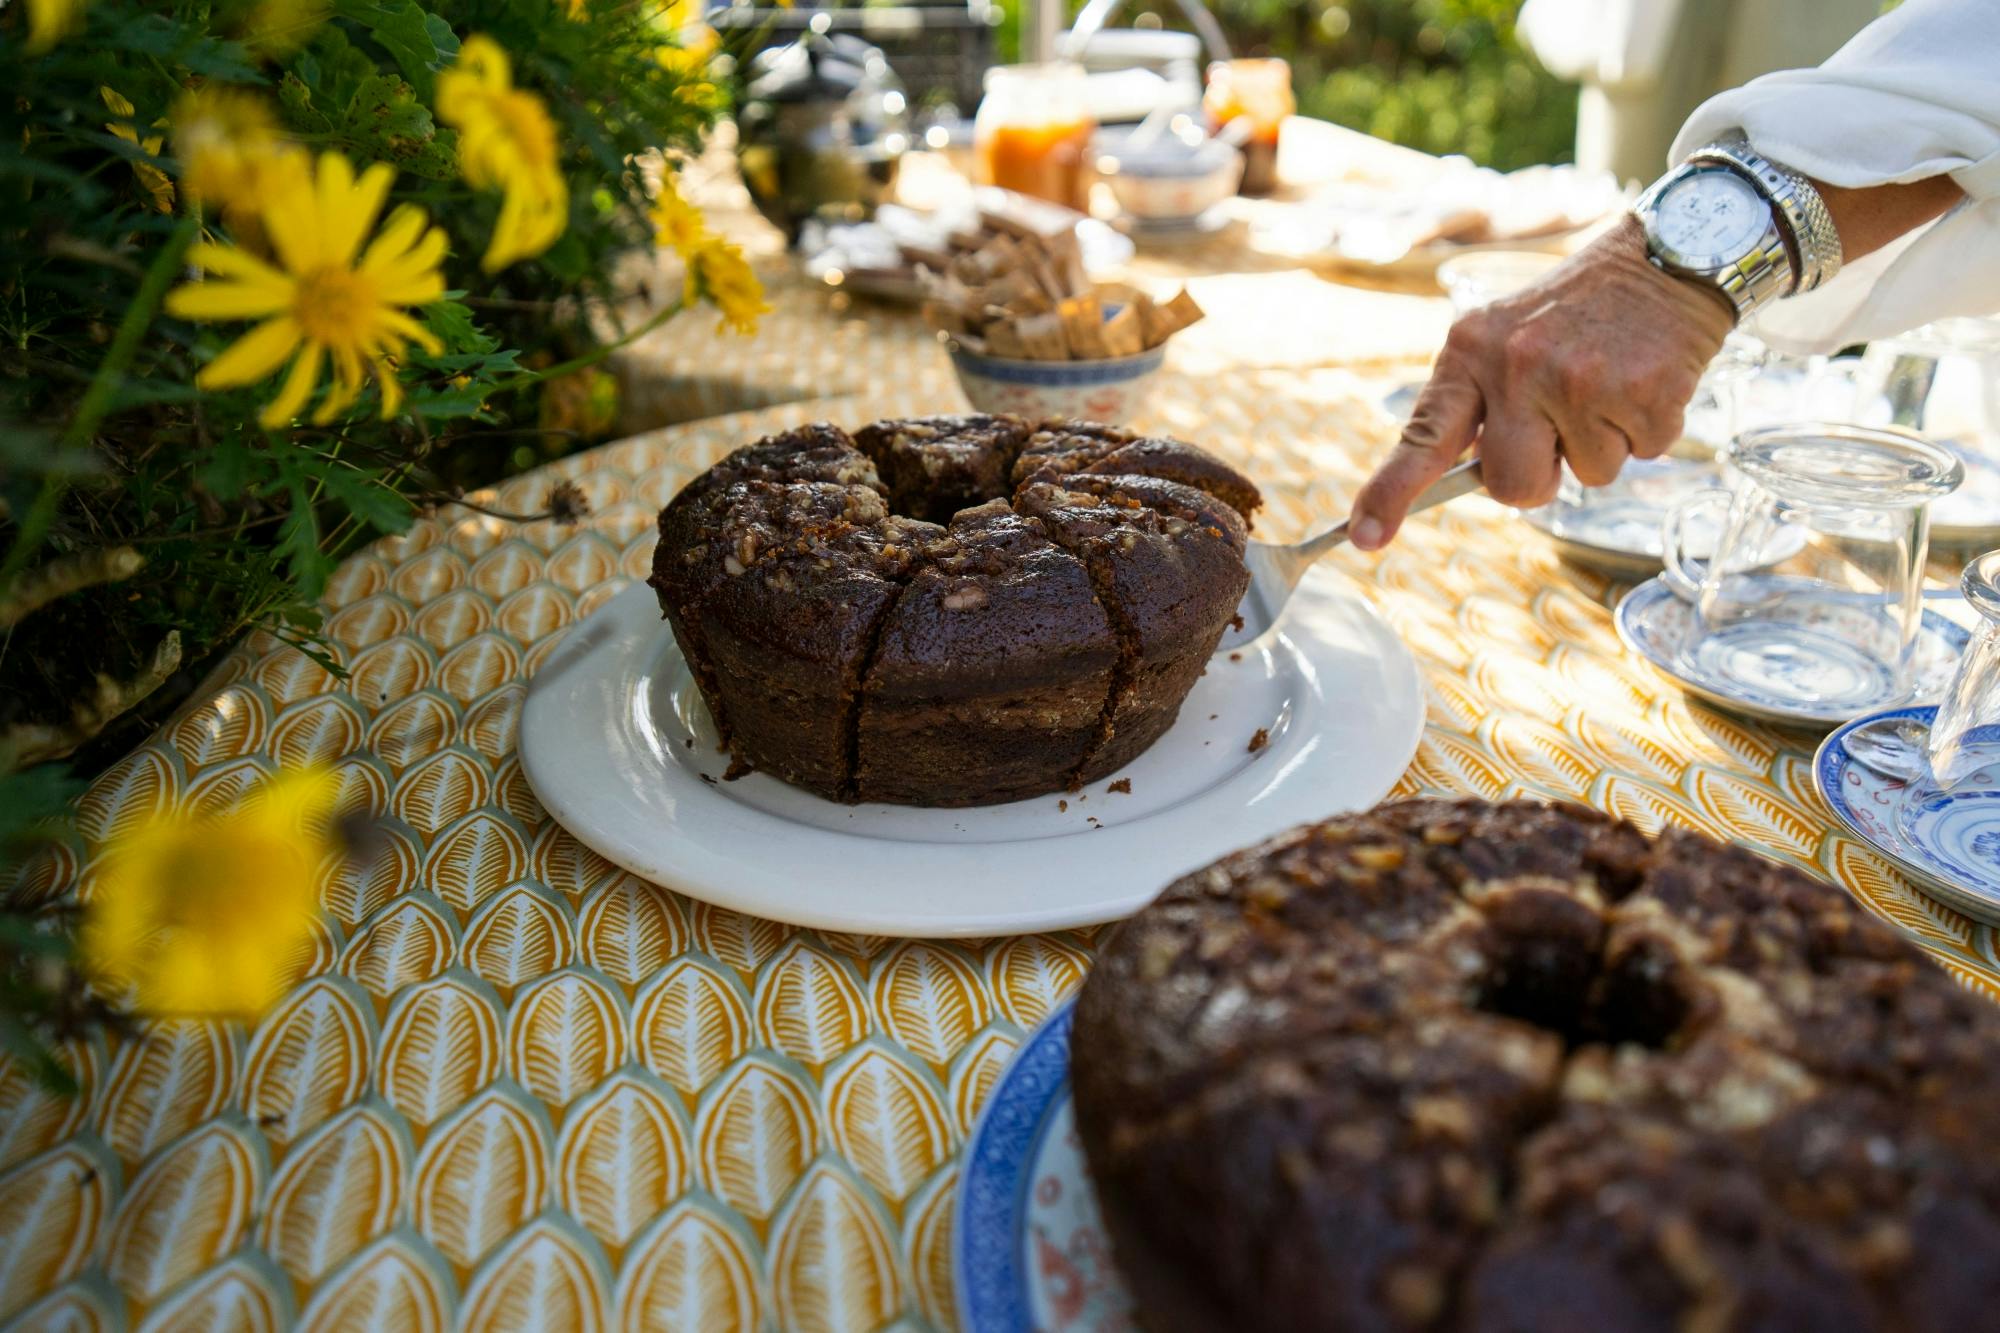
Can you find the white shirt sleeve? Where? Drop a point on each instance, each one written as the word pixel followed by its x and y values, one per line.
pixel 1915 94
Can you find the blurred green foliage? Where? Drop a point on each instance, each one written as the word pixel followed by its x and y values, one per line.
pixel 239 526
pixel 1445 76
pixel 146 523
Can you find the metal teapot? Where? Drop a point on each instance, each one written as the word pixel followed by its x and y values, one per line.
pixel 821 131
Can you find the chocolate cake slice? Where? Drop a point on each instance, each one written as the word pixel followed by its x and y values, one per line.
pixel 991 672
pixel 1167 563
pixel 789 588
pixel 684 561
pixel 1062 449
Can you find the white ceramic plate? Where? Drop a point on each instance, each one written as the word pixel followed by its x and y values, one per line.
pixel 605 737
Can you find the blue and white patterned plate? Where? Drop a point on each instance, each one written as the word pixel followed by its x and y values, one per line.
pixel 1030 1248
pixel 1786 670
pixel 1949 842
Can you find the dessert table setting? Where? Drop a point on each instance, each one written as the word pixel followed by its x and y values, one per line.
pixel 662 1002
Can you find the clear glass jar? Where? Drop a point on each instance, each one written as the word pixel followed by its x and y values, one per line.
pixel 1261 91
pixel 1032 133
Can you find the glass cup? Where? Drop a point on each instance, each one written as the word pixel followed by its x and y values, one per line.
pixel 1944 380
pixel 1965 736
pixel 1813 596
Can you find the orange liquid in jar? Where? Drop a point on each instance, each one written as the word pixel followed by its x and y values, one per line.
pixel 1049 161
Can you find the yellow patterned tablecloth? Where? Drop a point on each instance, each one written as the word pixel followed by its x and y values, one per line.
pixel 515 1088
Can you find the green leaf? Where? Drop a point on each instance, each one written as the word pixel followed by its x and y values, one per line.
pixel 464 402
pixel 33 805
pixel 456 328
pixel 420 42
pixel 368 500
pixel 48 1069
pixel 160 37
pixel 35 451
pixel 298 539
pixel 231 467
pixel 479 365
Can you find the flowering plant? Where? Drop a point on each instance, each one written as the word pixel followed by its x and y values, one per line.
pixel 275 274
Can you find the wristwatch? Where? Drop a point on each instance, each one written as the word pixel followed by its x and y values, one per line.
pixel 1731 218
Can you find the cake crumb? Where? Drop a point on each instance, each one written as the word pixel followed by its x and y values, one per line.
pixel 1093 821
pixel 709 780
pixel 1212 717
pixel 1122 785
pixel 1236 657
pixel 1260 740
pixel 1236 621
pixel 737 768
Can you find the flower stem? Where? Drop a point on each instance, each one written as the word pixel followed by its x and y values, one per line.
pixel 97 398
pixel 529 378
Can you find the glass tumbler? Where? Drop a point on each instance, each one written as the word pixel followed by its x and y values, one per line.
pixel 1814 593
pixel 1965 736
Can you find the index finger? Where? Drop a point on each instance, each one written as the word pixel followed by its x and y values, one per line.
pixel 1440 428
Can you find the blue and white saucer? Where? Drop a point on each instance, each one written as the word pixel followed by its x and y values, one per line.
pixel 1030 1249
pixel 1949 842
pixel 1794 669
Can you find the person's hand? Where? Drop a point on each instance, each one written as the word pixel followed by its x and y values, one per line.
pixel 1592 365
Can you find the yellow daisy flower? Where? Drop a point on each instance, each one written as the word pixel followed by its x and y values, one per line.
pixel 205 917
pixel 327 299
pixel 49 21
pixel 691 44
pixel 507 142
pixel 230 150
pixel 151 179
pixel 718 271
pixel 676 222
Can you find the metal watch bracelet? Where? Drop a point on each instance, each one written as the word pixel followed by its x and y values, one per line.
pixel 1815 240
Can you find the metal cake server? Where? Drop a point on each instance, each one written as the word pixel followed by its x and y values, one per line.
pixel 1275 570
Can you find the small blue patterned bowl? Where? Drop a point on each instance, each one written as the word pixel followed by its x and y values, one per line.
pixel 1110 390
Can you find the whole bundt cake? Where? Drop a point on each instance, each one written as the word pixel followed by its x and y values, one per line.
pixel 951 610
pixel 1521 1069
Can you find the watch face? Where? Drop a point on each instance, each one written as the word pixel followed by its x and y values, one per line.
pixel 1710 218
